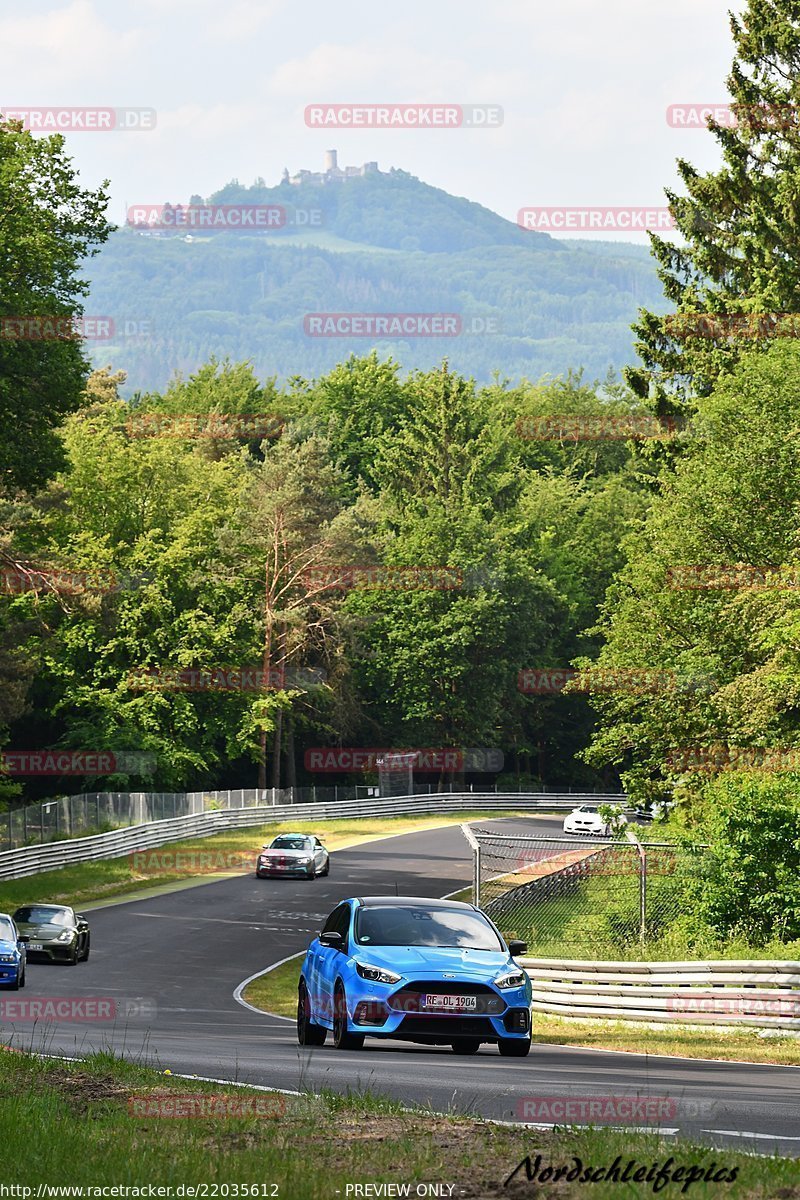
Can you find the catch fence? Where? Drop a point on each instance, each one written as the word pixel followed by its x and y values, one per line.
pixel 578 897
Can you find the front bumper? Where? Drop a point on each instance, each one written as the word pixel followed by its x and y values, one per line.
pixel 53 951
pixel 273 870
pixel 9 973
pixel 398 1011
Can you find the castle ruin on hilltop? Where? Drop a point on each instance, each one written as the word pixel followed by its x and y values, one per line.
pixel 333 173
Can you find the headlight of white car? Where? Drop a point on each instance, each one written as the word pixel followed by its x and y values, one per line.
pixel 511 979
pixel 377 974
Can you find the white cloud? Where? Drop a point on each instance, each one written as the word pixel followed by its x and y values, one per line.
pixel 65 44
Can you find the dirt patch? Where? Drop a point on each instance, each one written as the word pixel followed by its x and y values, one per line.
pixel 80 1089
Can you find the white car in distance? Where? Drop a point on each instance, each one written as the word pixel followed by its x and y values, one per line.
pixel 588 819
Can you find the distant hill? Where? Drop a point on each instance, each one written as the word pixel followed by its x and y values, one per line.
pixel 382 243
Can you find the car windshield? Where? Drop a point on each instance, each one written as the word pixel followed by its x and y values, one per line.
pixel 37 914
pixel 406 926
pixel 291 842
pixel 587 808
pixel 7 931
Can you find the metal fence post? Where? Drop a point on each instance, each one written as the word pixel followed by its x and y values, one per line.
pixel 642 892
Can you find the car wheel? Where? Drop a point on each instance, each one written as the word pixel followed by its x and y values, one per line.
pixel 514 1047
pixel 21 978
pixel 86 949
pixel 343 1040
pixel 311 873
pixel 466 1045
pixel 16 985
pixel 327 870
pixel 72 961
pixel 308 1034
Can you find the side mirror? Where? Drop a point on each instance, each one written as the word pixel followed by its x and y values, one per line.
pixel 516 948
pixel 332 939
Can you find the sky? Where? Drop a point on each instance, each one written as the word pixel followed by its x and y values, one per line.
pixel 584 87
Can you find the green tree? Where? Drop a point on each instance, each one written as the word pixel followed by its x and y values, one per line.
pixel 48 227
pixel 727 653
pixel 740 224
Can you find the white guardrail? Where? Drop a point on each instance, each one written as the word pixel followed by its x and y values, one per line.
pixel 763 993
pixel 48 856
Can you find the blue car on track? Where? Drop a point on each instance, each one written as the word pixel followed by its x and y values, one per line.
pixel 12 955
pixel 435 972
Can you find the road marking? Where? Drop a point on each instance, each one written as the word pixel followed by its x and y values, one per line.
pixel 223 921
pixel 239 998
pixel 743 1133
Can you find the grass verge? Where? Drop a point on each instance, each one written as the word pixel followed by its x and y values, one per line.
pixel 72 1125
pixel 277 993
pixel 91 882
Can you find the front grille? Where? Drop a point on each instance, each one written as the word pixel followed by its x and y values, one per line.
pixel 411 997
pixel 447 1027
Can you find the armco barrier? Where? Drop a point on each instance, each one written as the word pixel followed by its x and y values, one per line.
pixel 761 993
pixel 30 860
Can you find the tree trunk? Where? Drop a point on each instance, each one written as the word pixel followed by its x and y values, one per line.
pixel 291 766
pixel 276 749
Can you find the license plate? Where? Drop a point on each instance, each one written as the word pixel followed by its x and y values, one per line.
pixel 35 946
pixel 452 1003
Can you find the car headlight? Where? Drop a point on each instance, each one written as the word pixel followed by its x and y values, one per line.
pixel 511 979
pixel 377 974
pixel 65 936
pixel 7 958
pixel 306 859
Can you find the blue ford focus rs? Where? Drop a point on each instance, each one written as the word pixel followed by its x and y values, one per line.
pixel 12 955
pixel 435 972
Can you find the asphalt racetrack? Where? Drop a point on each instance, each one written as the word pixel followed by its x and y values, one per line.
pixel 181 956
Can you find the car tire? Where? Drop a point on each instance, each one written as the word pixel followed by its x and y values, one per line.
pixel 342 1039
pixel 327 870
pixel 86 949
pixel 308 1034
pixel 311 873
pixel 72 961
pixel 466 1045
pixel 514 1047
pixel 17 984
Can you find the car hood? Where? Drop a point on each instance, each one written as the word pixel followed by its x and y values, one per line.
pixel 411 960
pixel 278 853
pixel 44 931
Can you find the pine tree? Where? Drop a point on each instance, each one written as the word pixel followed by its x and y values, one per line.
pixel 740 225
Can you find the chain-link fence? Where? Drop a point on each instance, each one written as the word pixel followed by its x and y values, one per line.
pixel 579 897
pixel 97 812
